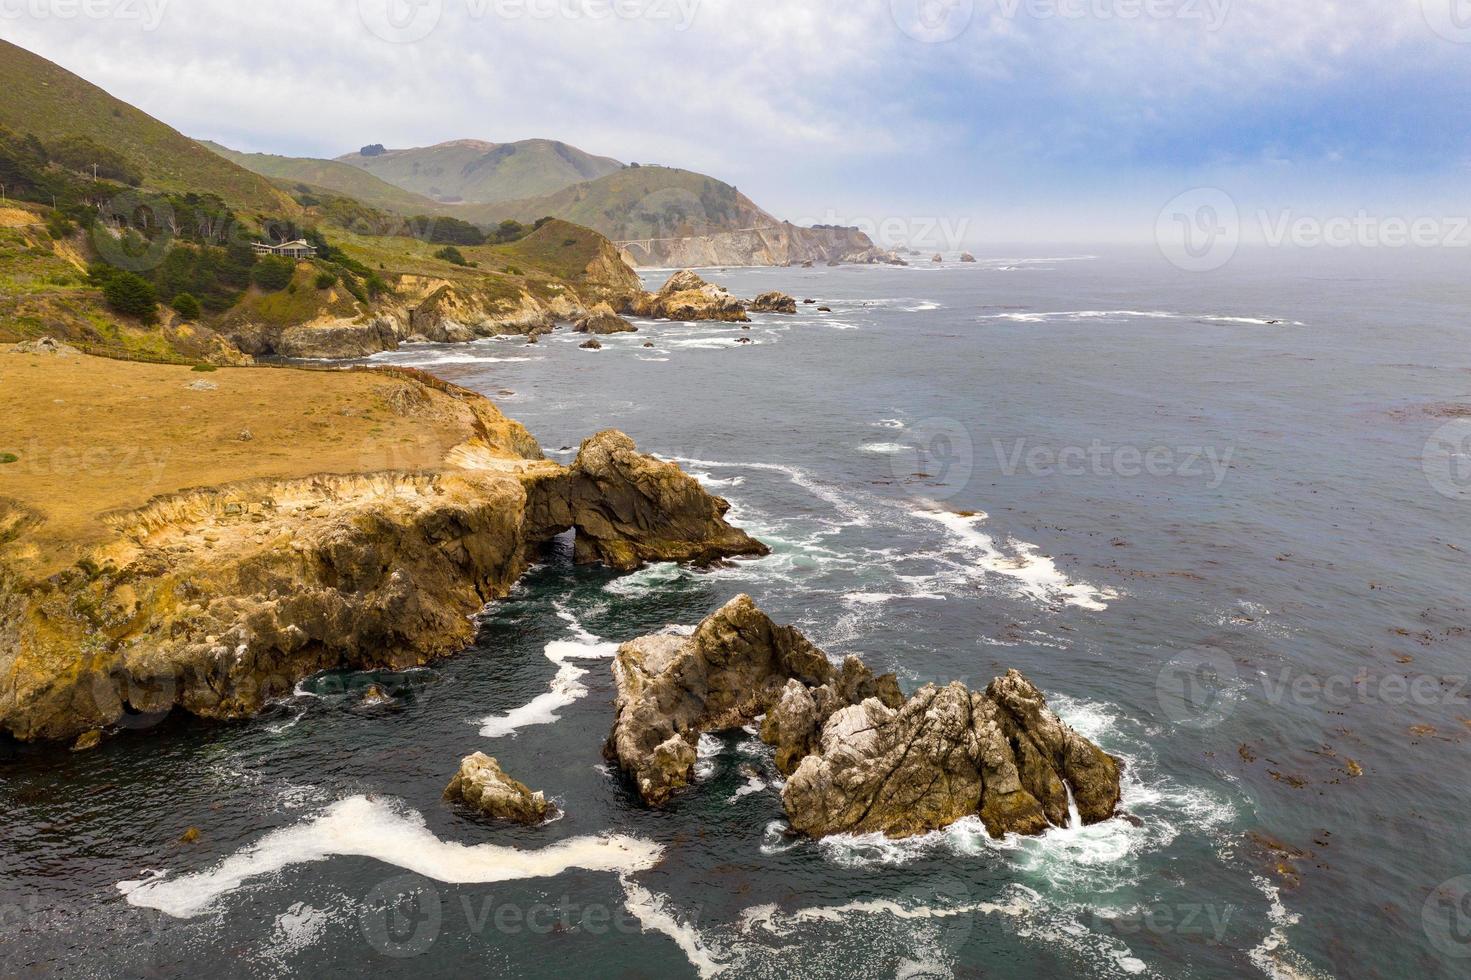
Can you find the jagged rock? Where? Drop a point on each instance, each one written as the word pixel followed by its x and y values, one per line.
pixel 602 319
pixel 629 508
pixel 87 740
pixel 734 667
pixel 937 258
pixel 688 297
pixel 46 345
pixel 590 345
pixel 967 257
pixel 949 753
pixel 773 302
pixel 482 784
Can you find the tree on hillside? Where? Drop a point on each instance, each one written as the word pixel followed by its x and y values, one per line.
pixel 186 306
pixel 273 273
pixel 131 295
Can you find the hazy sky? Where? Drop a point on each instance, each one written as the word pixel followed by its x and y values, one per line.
pixel 1011 120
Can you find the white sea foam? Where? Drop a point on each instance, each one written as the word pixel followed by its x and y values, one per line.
pixel 1034 575
pixel 885 448
pixel 654 915
pixel 567 687
pixel 363 827
pixel 1065 316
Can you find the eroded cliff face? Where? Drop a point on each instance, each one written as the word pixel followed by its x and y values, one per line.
pixel 771 244
pixel 217 600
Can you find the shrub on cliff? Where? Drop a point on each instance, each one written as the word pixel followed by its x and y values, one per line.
pixel 452 255
pixel 187 306
pixel 131 295
pixel 273 273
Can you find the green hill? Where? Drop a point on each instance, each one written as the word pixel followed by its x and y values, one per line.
pixel 50 102
pixel 477 172
pixel 638 202
pixel 331 175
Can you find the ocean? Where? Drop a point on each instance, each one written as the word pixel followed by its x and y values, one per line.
pixel 1220 519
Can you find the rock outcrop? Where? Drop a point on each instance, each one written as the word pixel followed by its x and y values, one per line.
pixel 967 257
pixel 733 668
pixel 859 757
pixel 217 600
pixel 45 345
pixel 482 784
pixel 686 296
pixel 773 302
pixel 602 319
pixel 950 753
pixel 629 509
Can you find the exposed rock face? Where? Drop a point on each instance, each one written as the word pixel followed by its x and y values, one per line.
pixel 858 756
pixel 46 345
pixel 967 257
pixel 601 319
pixel 937 258
pixel 688 297
pixel 590 345
pixel 629 508
pixel 217 600
pixel 734 667
pixel 949 753
pixel 773 302
pixel 482 784
pixel 765 242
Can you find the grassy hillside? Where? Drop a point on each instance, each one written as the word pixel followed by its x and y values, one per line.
pixel 477 172
pixel 331 175
pixel 47 100
pixel 638 202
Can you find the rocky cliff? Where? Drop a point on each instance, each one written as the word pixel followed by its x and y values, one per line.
pixel 216 600
pixel 772 243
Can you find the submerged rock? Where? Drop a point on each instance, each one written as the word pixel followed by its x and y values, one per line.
pixel 602 319
pixel 590 345
pixel 733 668
pixel 859 757
pixel 482 784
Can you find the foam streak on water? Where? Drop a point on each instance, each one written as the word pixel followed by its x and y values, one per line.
pixel 361 827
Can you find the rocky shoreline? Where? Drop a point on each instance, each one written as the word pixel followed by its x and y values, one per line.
pixel 216 600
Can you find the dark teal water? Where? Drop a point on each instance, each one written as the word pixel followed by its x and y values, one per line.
pixel 1232 551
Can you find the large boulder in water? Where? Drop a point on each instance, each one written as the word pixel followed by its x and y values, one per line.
pixel 601 319
pixel 482 784
pixel 733 668
pixel 774 302
pixel 950 753
pixel 859 757
pixel 686 296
